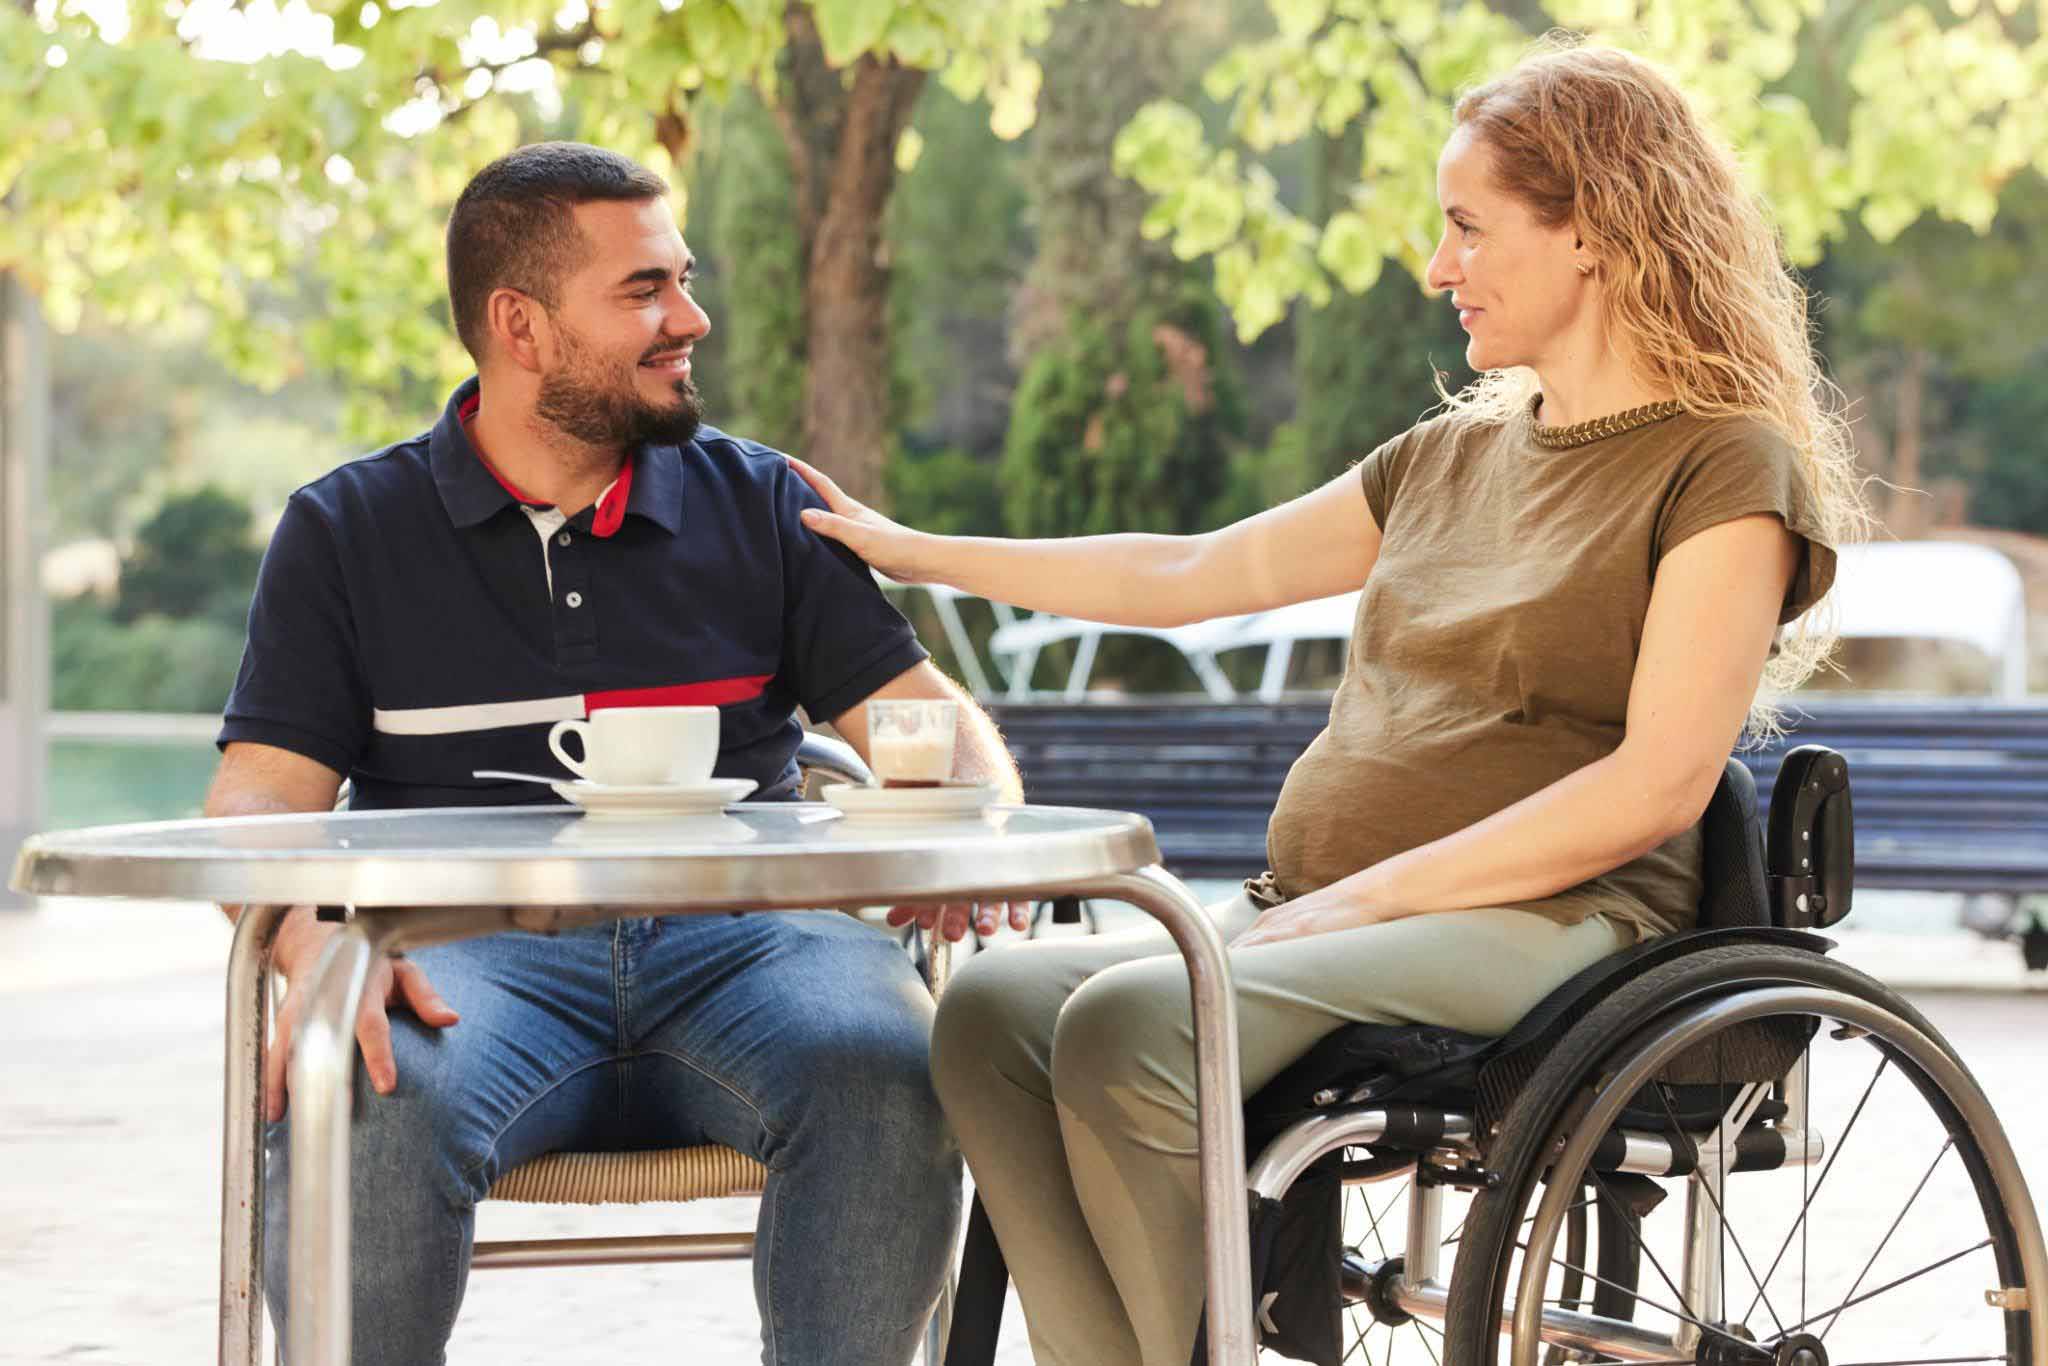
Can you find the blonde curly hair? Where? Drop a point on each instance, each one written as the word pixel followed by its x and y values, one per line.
pixel 1602 140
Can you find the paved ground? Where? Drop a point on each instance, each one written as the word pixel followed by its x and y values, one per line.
pixel 109 1132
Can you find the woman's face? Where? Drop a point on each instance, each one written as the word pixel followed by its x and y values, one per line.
pixel 1516 284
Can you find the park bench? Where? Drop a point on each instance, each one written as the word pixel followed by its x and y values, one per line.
pixel 1951 794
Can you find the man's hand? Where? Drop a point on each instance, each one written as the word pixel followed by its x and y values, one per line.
pixel 299 944
pixel 952 920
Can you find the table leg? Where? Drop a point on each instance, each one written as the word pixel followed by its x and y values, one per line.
pixel 241 1167
pixel 323 1056
pixel 1219 1106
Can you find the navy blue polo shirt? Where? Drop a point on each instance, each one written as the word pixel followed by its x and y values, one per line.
pixel 417 618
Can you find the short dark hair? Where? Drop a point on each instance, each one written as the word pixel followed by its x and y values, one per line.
pixel 513 226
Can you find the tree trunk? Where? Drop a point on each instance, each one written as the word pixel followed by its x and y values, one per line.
pixel 842 135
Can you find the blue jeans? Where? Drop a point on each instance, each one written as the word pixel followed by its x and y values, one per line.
pixel 798 1038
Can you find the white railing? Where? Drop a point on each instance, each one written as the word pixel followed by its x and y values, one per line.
pixel 166 727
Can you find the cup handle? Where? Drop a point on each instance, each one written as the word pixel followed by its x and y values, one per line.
pixel 582 733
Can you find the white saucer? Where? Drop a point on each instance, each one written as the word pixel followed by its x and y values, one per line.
pixel 654 799
pixel 954 799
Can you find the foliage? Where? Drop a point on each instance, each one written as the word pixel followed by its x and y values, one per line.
pixel 1391 68
pixel 2006 419
pixel 181 156
pixel 194 558
pixel 755 379
pixel 960 236
pixel 1130 401
pixel 1365 364
pixel 153 664
pixel 1124 426
pixel 136 416
pixel 950 492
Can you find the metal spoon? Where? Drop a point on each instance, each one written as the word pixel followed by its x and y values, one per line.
pixel 520 777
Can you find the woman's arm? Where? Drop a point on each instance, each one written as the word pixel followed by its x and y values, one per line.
pixel 1713 614
pixel 1318 545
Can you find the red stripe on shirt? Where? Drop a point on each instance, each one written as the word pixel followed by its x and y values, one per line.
pixel 707 694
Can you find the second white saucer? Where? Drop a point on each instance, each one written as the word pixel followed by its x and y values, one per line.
pixel 952 799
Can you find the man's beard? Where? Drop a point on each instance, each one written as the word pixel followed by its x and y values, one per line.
pixel 576 400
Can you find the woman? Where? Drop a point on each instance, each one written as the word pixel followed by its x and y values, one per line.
pixel 1574 581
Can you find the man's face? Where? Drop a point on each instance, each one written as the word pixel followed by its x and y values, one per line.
pixel 623 327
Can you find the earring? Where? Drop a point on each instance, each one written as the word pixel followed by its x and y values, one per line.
pixel 1585 269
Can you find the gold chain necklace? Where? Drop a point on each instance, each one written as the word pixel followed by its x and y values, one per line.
pixel 1599 428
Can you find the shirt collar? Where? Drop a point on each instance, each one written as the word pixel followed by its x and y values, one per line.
pixel 649 485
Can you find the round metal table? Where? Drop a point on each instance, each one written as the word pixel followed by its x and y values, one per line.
pixel 424 876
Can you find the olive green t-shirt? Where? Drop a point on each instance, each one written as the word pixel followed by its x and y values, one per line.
pixel 1497 637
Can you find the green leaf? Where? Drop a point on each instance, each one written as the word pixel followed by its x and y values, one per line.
pixel 849 28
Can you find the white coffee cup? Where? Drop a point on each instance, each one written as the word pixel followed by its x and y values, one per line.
pixel 642 746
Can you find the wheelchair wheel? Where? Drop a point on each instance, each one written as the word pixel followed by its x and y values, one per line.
pixel 1708 1106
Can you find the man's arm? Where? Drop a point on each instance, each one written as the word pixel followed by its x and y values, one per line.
pixel 979 754
pixel 265 780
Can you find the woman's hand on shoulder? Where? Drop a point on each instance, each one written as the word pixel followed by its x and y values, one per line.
pixel 888 547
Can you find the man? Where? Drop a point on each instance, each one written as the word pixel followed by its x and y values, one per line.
pixel 568 538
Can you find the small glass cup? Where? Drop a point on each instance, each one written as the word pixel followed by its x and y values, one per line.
pixel 910 743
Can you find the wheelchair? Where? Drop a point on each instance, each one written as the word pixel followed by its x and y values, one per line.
pixel 1429 1196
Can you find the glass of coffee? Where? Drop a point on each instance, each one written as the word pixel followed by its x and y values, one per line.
pixel 910 743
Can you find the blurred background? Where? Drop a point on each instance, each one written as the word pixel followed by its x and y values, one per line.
pixel 1141 266
pixel 1100 265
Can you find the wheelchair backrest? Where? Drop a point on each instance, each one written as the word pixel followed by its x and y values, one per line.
pixel 1802 878
pixel 1732 862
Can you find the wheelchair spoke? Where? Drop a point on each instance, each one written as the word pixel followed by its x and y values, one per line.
pixel 1882 1242
pixel 1424 1323
pixel 1636 1237
pixel 1799 1224
pixel 1805 1168
pixel 1526 1221
pixel 1636 1295
pixel 1929 1361
pixel 1721 1140
pixel 1890 1285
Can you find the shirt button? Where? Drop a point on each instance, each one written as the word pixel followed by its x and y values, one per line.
pixel 563 539
pixel 574 599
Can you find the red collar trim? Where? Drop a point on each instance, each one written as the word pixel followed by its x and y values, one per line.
pixel 611 508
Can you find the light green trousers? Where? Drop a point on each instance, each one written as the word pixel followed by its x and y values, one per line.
pixel 1068 1070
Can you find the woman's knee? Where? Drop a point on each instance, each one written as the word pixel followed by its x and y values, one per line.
pixel 993 1022
pixel 1123 1049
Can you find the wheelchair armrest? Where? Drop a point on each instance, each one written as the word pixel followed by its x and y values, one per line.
pixel 1811 855
pixel 834 758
